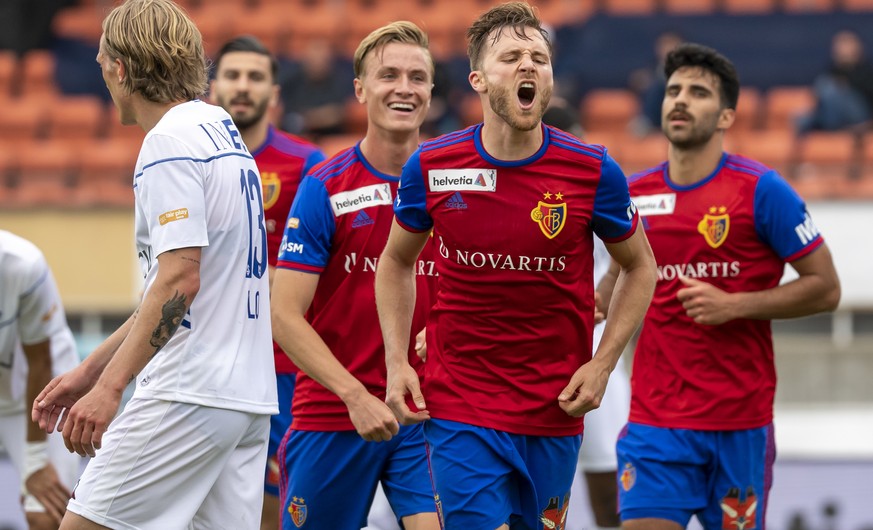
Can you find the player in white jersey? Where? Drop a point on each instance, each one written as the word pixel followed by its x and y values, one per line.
pixel 35 345
pixel 190 447
pixel 597 458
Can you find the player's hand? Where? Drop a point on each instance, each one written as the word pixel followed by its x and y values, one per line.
pixel 372 418
pixel 403 381
pixel 421 344
pixel 705 303
pixel 585 390
pixel 599 310
pixel 48 490
pixel 58 396
pixel 88 419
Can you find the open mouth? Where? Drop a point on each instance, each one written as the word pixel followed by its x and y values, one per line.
pixel 401 107
pixel 526 94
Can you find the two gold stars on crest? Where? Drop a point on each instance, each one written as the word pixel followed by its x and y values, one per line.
pixel 558 196
pixel 720 209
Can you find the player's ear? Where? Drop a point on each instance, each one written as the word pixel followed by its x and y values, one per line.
pixel 275 94
pixel 726 118
pixel 477 80
pixel 359 91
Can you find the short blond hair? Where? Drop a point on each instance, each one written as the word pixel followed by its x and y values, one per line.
pixel 402 31
pixel 513 15
pixel 161 49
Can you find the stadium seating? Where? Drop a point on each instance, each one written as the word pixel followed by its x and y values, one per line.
pixel 609 110
pixel 748 7
pixel 47 169
pixel 8 71
pixel 106 173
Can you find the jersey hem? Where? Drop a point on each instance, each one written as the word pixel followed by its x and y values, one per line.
pixel 410 228
pixel 252 407
pixel 696 425
pixel 301 267
pixel 524 429
pixel 806 251
pixel 307 424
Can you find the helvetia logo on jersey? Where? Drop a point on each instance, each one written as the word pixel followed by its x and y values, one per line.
pixel 271 187
pixel 715 226
pixel 173 215
pixel 360 198
pixel 628 477
pixel 551 217
pixel 469 179
pixel 660 204
pixel 297 510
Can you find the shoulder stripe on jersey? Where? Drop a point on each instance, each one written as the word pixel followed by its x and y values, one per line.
pixel 746 165
pixel 292 147
pixel 567 140
pixel 336 165
pixel 191 159
pixel 36 284
pixel 578 147
pixel 646 172
pixel 449 139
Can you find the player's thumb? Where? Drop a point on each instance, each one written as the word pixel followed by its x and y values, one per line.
pixel 417 397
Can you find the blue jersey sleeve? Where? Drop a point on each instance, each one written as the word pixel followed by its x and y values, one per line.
pixel 314 158
pixel 309 229
pixel 410 207
pixel 615 217
pixel 781 219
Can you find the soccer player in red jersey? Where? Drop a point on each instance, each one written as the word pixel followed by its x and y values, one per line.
pixel 344 440
pixel 246 86
pixel 513 205
pixel 722 226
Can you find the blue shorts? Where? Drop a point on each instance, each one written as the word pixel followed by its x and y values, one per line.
pixel 329 478
pixel 485 478
pixel 723 477
pixel 279 423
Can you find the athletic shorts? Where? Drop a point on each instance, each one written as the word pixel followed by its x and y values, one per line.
pixel 485 478
pixel 166 465
pixel 279 424
pixel 603 425
pixel 723 477
pixel 329 478
pixel 13 433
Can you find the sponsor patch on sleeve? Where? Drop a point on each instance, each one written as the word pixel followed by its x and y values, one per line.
pixel 173 215
pixel 470 179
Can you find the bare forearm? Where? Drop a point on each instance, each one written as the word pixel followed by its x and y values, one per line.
pixel 630 300
pixel 39 373
pixel 804 296
pixel 395 301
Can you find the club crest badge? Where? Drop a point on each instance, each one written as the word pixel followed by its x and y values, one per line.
pixel 297 510
pixel 628 477
pixel 551 217
pixel 271 186
pixel 715 226
pixel 739 513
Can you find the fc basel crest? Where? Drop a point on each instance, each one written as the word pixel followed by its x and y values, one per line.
pixel 550 217
pixel 715 226
pixel 271 186
pixel 297 510
pixel 628 477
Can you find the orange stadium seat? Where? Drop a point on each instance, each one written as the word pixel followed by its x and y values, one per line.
pixel 7 166
pixel 8 71
pixel 630 7
pixel 470 109
pixel 82 22
pixel 38 74
pixel 22 120
pixel 823 163
pixel 319 20
pixel 333 144
pixel 46 170
pixel 114 128
pixel 748 7
pixel 689 7
pixel 857 5
pixel 773 148
pixel 76 119
pixel 263 23
pixel 749 109
pixel 784 103
pixel 808 6
pixel 608 109
pixel 106 173
pixel 355 117
pixel 637 154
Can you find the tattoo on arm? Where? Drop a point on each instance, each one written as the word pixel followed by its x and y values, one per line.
pixel 171 317
pixel 186 258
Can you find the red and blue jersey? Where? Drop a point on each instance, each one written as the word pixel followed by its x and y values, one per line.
pixel 735 229
pixel 282 160
pixel 337 228
pixel 514 310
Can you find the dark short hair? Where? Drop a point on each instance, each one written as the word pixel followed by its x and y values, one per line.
pixel 248 43
pixel 513 15
pixel 697 55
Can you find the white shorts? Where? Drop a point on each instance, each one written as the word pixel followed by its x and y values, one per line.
pixel 604 424
pixel 13 433
pixel 166 465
